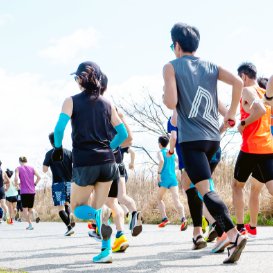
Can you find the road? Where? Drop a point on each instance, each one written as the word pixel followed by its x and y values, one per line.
pixel 45 249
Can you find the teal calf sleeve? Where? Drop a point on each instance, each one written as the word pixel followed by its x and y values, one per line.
pixel 85 212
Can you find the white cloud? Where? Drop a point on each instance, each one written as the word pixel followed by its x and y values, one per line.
pixel 64 49
pixel 4 18
pixel 237 32
pixel 264 62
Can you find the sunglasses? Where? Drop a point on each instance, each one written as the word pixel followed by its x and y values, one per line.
pixel 172 46
pixel 76 78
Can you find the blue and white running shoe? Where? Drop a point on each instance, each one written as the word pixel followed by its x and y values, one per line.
pixel 103 224
pixel 104 257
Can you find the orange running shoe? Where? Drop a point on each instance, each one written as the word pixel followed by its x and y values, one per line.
pixel 221 244
pixel 164 223
pixel 184 225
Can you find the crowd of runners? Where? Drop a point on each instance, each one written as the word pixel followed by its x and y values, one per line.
pixel 89 183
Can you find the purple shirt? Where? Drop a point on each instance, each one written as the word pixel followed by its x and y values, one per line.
pixel 26 174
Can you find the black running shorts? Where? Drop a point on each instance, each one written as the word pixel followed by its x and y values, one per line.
pixel 89 175
pixel 114 187
pixel 196 157
pixel 12 199
pixel 260 166
pixel 28 200
pixel 2 193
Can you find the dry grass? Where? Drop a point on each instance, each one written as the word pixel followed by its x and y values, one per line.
pixel 142 187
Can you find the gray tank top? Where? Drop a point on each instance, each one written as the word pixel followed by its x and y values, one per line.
pixel 197 105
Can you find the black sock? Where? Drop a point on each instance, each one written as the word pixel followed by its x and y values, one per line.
pixel 127 215
pixel 133 213
pixel 218 210
pixel 64 217
pixel 94 226
pixel 196 207
pixel 251 227
pixel 218 229
pixel 69 227
pixel 240 226
pixel 67 209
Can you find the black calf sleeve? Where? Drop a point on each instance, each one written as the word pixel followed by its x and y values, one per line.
pixel 218 229
pixel 64 217
pixel 67 210
pixel 196 207
pixel 218 210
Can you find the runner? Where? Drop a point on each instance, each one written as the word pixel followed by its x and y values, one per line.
pixel 19 205
pixel 191 87
pixel 26 175
pixel 4 181
pixel 121 243
pixel 11 196
pixel 214 230
pixel 128 150
pixel 256 155
pixel 61 184
pixel 94 164
pixel 167 180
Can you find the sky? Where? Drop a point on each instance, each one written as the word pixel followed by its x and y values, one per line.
pixel 43 42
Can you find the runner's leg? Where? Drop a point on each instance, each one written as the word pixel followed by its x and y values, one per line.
pixel 125 210
pixel 177 203
pixel 123 198
pixel 161 206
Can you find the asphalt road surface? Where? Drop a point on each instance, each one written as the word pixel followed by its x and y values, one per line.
pixel 46 249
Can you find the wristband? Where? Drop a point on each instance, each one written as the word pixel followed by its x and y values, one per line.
pixel 243 123
pixel 170 152
pixel 159 173
pixel 268 98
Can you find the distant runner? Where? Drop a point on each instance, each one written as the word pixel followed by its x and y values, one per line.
pixel 12 194
pixel 61 184
pixel 26 175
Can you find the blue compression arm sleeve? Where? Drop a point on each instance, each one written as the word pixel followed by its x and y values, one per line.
pixel 59 129
pixel 120 136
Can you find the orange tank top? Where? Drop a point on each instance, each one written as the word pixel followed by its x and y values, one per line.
pixel 257 138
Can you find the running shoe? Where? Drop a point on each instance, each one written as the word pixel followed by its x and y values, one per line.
pixel 19 220
pixel 105 256
pixel 120 244
pixel 69 232
pixel 204 224
pixel 30 228
pixel 90 225
pixel 9 221
pixel 17 215
pixel 72 220
pixel 184 225
pixel 136 224
pixel 164 223
pixel 102 222
pixel 0 221
pixel 93 234
pixel 252 233
pixel 36 217
pixel 221 244
pixel 212 234
pixel 243 232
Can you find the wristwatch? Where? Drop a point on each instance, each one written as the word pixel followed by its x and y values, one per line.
pixel 243 123
pixel 268 98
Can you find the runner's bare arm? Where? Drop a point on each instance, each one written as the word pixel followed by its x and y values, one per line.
pixel 129 140
pixel 68 107
pixel 237 86
pixel 170 88
pixel 45 169
pixel 38 177
pixel 174 118
pixel 17 177
pixel 6 179
pixel 115 120
pixel 257 110
pixel 222 109
pixel 160 165
pixel 133 156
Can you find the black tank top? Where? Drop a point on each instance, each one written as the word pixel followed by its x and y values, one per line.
pixel 90 131
pixel 1 179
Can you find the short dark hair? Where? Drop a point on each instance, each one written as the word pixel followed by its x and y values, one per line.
pixel 186 36
pixel 51 138
pixel 104 83
pixel 0 163
pixel 9 173
pixel 163 140
pixel 248 69
pixel 262 82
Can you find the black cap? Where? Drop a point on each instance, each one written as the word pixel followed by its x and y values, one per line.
pixel 23 159
pixel 82 68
